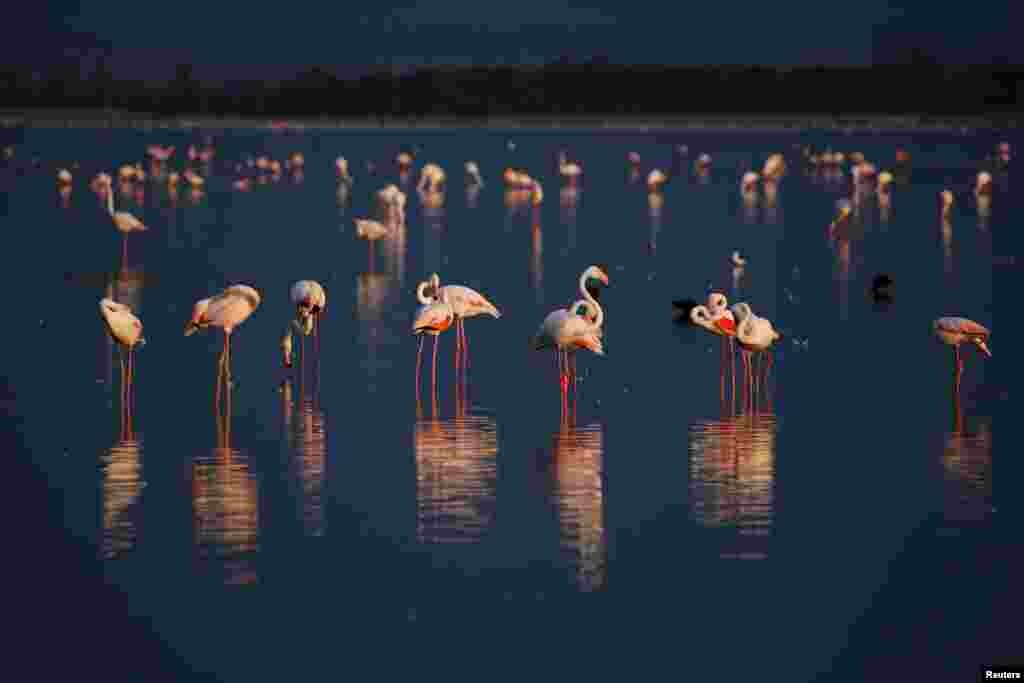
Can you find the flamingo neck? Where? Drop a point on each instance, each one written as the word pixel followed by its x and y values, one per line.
pixel 421 295
pixel 110 199
pixel 590 299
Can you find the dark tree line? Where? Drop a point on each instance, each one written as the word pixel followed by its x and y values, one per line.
pixel 917 86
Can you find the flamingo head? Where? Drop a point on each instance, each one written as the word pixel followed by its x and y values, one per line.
pixel 717 302
pixel 980 343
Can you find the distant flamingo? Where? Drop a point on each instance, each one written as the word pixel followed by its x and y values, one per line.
pixel 774 167
pixel 341 165
pixel 227 310
pixel 64 176
pixel 126 330
pixel 431 319
pixel 655 179
pixel 946 199
pixel 465 303
pixel 570 170
pixel 431 178
pixel 748 184
pixel 124 222
pixel 956 331
pixel 983 183
pixel 473 174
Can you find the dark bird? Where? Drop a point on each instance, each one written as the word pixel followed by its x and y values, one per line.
pixel 881 289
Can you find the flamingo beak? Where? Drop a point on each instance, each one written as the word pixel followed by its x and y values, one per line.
pixel 190 328
pixel 984 347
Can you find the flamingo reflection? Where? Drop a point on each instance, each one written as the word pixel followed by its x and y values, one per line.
pixel 122 486
pixel 967 466
pixel 456 477
pixel 309 446
pixel 225 509
pixel 578 460
pixel 732 472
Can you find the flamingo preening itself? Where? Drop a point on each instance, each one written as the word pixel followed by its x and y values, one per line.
pixel 754 334
pixel 227 310
pixel 126 330
pixel 956 331
pixel 310 300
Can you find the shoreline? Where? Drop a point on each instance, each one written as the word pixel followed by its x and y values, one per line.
pixel 794 122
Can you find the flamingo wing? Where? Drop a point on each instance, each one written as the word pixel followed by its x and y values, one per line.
pixel 961 326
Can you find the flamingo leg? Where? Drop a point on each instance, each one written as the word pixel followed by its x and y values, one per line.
pixel 124 252
pixel 419 359
pixel 433 374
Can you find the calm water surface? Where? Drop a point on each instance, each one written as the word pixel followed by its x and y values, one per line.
pixel 857 519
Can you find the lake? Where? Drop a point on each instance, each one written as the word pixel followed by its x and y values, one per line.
pixel 851 525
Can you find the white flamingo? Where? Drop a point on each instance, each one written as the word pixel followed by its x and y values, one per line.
pixel 564 330
pixel 227 310
pixel 310 300
pixel 126 330
pixel 465 302
pixel 754 335
pixel 124 222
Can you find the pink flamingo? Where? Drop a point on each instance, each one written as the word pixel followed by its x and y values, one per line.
pixel 465 302
pixel 227 310
pixel 754 335
pixel 433 319
pixel 956 331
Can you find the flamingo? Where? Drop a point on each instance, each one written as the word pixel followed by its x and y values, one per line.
pixel 946 197
pixel 341 165
pixel 774 167
pixel 431 178
pixel 563 328
pixel 286 344
pixel 717 319
pixel 125 329
pixel 310 300
pixel 465 302
pixel 983 183
pixel 655 179
pixel 473 174
pixel 370 230
pixel 956 331
pixel 431 319
pixel 64 176
pixel 570 170
pixel 754 334
pixel 748 184
pixel 566 331
pixel 227 310
pixel 123 221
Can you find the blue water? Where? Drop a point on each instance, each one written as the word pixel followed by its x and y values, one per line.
pixel 848 526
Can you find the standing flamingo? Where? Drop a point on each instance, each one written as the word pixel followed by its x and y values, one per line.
pixel 126 330
pixel 954 332
pixel 123 221
pixel 465 302
pixel 227 310
pixel 565 331
pixel 562 328
pixel 310 300
pixel 754 334
pixel 433 319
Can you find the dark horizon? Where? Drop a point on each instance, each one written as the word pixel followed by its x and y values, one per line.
pixel 916 85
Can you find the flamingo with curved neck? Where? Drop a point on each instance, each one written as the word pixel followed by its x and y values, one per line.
pixel 465 302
